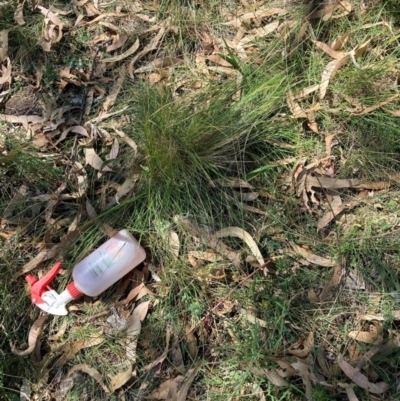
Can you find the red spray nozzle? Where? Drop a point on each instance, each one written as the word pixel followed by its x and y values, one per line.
pixel 38 287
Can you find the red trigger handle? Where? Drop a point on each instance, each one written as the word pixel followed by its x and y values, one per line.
pixel 39 286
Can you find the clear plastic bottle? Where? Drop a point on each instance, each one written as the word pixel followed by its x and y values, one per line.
pixel 108 263
pixel 92 275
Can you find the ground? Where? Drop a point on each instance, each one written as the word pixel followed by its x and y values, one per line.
pixel 253 150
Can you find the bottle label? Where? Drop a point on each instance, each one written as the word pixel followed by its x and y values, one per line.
pixel 107 260
pixel 101 266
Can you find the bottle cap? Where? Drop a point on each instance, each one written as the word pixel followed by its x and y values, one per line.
pixel 74 292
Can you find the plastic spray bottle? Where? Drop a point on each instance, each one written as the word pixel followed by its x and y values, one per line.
pixel 92 275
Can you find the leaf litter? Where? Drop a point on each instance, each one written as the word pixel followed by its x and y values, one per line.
pixel 315 185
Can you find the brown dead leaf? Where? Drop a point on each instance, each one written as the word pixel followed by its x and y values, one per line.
pixel 364 336
pixel 328 50
pixel 244 236
pixel 294 107
pixel 54 251
pixel 162 391
pixel 259 33
pixel 159 63
pixel 132 295
pixel 120 379
pixel 358 378
pixel 19 13
pixel 311 123
pixel 34 334
pixel 134 323
pixel 217 59
pixel 191 341
pixel 153 45
pixel 91 372
pixel 76 129
pixel 103 227
pixel 3 45
pixel 118 41
pixel 261 13
pixel 174 243
pixel 305 92
pixel 275 378
pixel 312 296
pixel 180 389
pixel 307 345
pixel 252 319
pixel 127 140
pixel 332 183
pixel 338 43
pixel 207 238
pixel 370 109
pixel 124 55
pixel 6 77
pixel 207 256
pixel 311 257
pixel 93 159
pixel 110 99
pixel 161 358
pixel 123 190
pixel 329 72
pixel 114 150
pixel 70 349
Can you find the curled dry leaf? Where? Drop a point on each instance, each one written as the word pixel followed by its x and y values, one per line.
pixel 118 41
pixel 120 379
pixel 110 99
pixel 124 55
pixel 114 150
pixel 207 256
pixel 259 33
pixel 123 190
pixel 162 391
pixel 159 63
pixel 91 372
pixel 54 251
pixel 329 72
pixel 77 129
pixel 132 295
pixel 19 13
pixel 358 378
pixel 191 341
pixel 305 92
pixel 174 243
pixel 103 227
pixel 328 50
pixel 294 107
pixel 161 358
pixel 127 140
pixel 252 319
pixel 261 13
pixel 153 45
pixel 3 45
pixel 179 390
pixel 275 378
pixel 307 345
pixel 243 235
pixel 34 334
pixel 311 257
pixel 134 327
pixel 70 349
pixel 6 77
pixel 94 160
pixel 340 42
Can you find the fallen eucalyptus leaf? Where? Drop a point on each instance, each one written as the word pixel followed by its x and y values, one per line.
pixel 34 334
